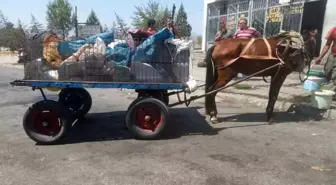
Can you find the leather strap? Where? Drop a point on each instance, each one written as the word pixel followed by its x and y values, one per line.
pixel 257 57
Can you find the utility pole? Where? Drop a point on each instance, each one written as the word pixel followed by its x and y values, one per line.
pixel 76 22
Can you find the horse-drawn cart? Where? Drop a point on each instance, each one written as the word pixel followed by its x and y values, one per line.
pixel 48 121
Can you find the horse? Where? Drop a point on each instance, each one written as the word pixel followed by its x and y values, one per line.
pixel 228 57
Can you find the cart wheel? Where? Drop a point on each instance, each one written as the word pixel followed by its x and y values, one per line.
pixel 46 122
pixel 77 100
pixel 147 118
pixel 163 96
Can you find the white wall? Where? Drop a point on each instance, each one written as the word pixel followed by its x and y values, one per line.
pixel 205 12
pixel 329 20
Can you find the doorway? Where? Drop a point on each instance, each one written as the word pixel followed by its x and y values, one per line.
pixel 313 16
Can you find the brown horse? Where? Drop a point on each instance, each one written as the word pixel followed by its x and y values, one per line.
pixel 229 57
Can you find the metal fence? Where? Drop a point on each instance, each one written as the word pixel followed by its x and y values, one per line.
pixel 129 62
pixel 269 17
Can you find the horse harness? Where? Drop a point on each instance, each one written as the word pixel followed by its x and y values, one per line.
pixel 244 55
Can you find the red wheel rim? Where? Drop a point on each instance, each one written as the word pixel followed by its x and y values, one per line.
pixel 46 122
pixel 148 117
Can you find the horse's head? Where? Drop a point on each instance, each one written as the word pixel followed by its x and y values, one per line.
pixel 294 51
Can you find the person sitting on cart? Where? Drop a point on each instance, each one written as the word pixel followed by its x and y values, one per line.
pixel 151 27
pixel 245 31
pixel 222 32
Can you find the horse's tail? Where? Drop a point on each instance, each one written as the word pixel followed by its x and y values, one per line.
pixel 210 76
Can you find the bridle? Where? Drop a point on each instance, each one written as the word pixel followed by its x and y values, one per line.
pixel 305 55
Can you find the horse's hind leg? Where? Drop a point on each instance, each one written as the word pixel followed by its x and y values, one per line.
pixel 224 77
pixel 276 83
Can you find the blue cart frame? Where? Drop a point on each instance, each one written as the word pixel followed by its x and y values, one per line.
pixel 152 100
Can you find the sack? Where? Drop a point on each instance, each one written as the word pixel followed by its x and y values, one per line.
pixel 39 70
pixel 107 37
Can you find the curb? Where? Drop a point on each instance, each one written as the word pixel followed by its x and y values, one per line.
pixel 11 65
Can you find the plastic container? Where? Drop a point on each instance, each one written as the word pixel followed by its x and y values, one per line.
pixel 322 99
pixel 313 83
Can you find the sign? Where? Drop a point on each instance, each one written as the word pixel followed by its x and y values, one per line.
pixel 88 30
pixel 274 14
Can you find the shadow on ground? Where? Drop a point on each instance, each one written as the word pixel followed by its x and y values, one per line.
pixel 110 126
pixel 280 117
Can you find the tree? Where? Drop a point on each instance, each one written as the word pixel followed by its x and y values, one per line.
pixel 4 21
pixel 106 29
pixel 114 26
pixel 181 22
pixel 122 28
pixel 152 10
pixel 92 19
pixel 10 36
pixel 59 16
pixel 199 40
pixel 35 26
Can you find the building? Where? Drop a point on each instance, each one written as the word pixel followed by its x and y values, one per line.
pixel 269 16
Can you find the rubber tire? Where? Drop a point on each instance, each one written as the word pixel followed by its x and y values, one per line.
pixel 139 133
pixel 47 105
pixel 165 99
pixel 87 100
pixel 163 96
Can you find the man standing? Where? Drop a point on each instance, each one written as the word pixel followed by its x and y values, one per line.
pixel 244 31
pixel 329 67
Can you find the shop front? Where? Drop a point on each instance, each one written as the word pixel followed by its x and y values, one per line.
pixel 269 17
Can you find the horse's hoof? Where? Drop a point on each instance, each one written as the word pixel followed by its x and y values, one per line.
pixel 271 121
pixel 214 120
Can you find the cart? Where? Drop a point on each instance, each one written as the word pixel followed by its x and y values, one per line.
pixel 48 121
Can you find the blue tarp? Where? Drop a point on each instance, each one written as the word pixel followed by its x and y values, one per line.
pixel 121 54
pixel 66 49
pixel 148 50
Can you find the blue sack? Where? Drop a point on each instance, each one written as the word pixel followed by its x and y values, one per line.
pixel 107 37
pixel 147 51
pixel 66 49
pixel 121 56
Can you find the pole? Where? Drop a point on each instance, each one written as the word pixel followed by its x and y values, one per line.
pixel 76 22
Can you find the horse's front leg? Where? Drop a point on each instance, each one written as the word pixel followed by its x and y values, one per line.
pixel 224 79
pixel 276 83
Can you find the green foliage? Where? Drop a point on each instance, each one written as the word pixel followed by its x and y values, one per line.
pixel 121 28
pixel 106 29
pixel 199 40
pixel 152 10
pixel 59 16
pixel 93 19
pixel 35 26
pixel 10 36
pixel 181 23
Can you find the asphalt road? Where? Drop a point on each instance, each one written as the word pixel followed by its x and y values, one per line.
pixel 241 150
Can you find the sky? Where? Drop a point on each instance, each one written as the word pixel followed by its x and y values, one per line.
pixel 21 9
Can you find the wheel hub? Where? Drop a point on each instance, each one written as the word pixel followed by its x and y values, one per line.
pixel 46 123
pixel 148 118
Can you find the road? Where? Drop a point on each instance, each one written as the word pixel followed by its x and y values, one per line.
pixel 240 150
